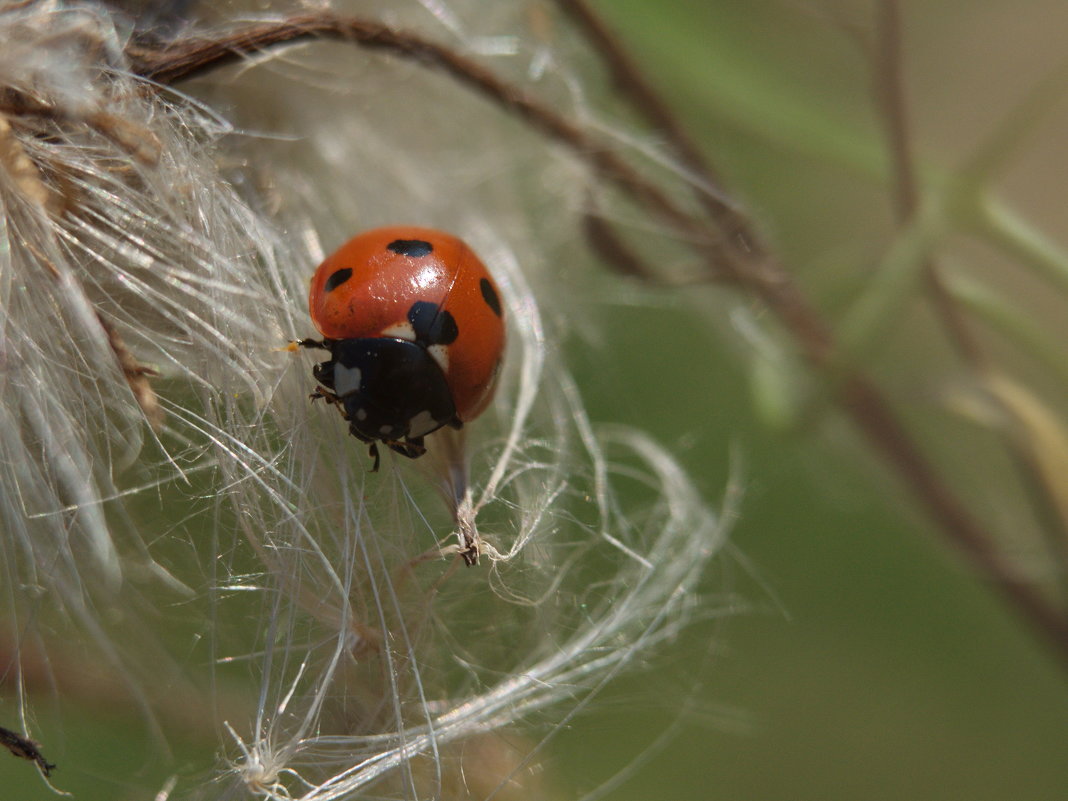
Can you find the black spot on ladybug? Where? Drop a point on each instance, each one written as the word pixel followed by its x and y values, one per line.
pixel 337 278
pixel 489 294
pixel 416 248
pixel 432 324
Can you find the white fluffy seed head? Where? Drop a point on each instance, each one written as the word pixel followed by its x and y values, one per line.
pixel 173 504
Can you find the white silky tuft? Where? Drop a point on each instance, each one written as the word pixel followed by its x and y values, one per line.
pixel 175 509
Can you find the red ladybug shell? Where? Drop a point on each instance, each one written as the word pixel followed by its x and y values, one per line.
pixel 372 284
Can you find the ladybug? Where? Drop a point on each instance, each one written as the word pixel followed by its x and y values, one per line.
pixel 414 325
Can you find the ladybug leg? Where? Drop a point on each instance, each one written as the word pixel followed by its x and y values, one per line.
pixel 372 445
pixel 324 373
pixel 296 344
pixel 329 397
pixel 413 448
pixel 456 422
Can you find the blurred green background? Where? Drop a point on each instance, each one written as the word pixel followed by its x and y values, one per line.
pixel 869 664
pixel 873 664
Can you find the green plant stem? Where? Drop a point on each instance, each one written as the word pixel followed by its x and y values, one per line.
pixel 1021 241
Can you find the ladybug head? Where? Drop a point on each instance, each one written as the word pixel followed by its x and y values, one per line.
pixel 390 388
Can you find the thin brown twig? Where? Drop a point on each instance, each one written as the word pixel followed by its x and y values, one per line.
pixel 873 416
pixel 890 99
pixel 25 748
pixel 135 139
pixel 726 258
pixel 632 83
pixel 602 236
pixel 186 58
pixel 614 249
pixel 137 375
pixel 23 172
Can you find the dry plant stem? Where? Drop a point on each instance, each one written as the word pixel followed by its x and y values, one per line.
pixel 725 257
pixel 182 59
pixel 602 236
pixel 632 83
pixel 891 97
pixel 871 414
pixel 25 748
pixel 31 184
pixel 139 142
pixel 890 94
pixel 21 169
pixel 136 374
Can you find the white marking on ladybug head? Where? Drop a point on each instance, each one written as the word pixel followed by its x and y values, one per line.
pixel 361 414
pixel 421 424
pixel 400 331
pixel 440 354
pixel 346 380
